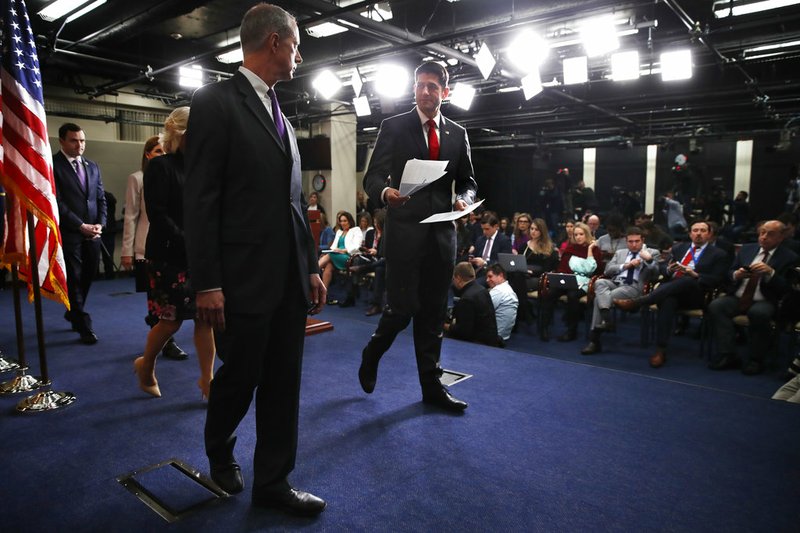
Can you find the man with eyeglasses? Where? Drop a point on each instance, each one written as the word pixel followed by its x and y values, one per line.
pixel 419 257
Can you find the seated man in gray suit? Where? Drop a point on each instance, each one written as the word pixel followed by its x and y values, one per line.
pixel 626 275
pixel 756 282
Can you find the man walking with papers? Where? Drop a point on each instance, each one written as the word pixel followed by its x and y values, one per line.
pixel 419 257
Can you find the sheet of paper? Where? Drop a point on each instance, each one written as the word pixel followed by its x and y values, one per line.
pixel 451 215
pixel 418 173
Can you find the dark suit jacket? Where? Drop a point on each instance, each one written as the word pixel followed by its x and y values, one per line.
pixel 76 206
pixel 243 200
pixel 163 195
pixel 774 288
pixel 401 138
pixel 474 315
pixel 711 267
pixel 501 245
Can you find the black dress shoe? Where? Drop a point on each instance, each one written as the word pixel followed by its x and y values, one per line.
pixel 544 335
pixel 173 351
pixel 367 372
pixel 442 398
pixel 752 368
pixel 725 362
pixel 228 477
pixel 373 310
pixel 606 325
pixel 349 302
pixel 291 501
pixel 88 337
pixel 591 348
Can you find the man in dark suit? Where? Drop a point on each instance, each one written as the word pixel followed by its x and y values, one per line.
pixel 757 281
pixel 474 317
pixel 419 257
pixel 488 245
pixel 697 268
pixel 82 212
pixel 252 258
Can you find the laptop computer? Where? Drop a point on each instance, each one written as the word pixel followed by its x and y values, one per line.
pixel 563 281
pixel 512 262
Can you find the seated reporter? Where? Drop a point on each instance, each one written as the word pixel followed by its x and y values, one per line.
pixel 582 258
pixel 504 300
pixel 756 282
pixel 540 256
pixel 488 245
pixel 346 242
pixel 696 269
pixel 473 313
pixel 626 275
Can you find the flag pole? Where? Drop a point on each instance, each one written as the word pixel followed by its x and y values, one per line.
pixel 23 382
pixel 47 400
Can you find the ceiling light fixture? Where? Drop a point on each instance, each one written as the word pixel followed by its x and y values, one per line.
pixel 576 70
pixel 625 66
pixel 599 36
pixel 485 60
pixel 327 84
pixel 59 8
pixel 462 95
pixel 355 81
pixel 191 77
pixel 362 106
pixel 324 29
pixel 676 65
pixel 527 51
pixel 83 11
pixel 532 84
pixel 391 80
pixel 234 56
pixel 728 8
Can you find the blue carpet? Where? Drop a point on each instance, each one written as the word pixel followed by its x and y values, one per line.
pixel 552 441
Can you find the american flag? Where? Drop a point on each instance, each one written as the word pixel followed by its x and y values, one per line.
pixel 26 164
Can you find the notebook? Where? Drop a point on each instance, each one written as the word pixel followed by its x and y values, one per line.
pixel 563 281
pixel 512 262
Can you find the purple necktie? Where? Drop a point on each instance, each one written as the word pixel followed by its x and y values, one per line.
pixel 277 116
pixel 80 171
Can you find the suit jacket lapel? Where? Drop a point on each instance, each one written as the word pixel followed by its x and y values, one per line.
pixel 255 104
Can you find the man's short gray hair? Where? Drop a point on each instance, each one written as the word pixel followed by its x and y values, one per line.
pixel 262 20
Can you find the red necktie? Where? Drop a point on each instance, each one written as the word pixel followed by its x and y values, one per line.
pixel 433 140
pixel 686 260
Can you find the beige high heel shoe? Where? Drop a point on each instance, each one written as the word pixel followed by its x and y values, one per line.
pixel 152 390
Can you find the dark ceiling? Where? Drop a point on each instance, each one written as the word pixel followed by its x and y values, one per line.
pixel 137 46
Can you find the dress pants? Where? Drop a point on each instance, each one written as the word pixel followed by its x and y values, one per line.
pixel 82 261
pixel 416 288
pixel 607 290
pixel 261 352
pixel 573 312
pixel 679 293
pixel 723 309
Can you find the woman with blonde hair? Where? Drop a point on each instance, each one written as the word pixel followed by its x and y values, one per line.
pixel 171 297
pixel 583 258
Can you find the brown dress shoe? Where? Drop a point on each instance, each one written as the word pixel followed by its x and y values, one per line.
pixel 658 359
pixel 627 304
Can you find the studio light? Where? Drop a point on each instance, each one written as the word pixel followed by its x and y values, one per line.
pixel 532 84
pixel 362 106
pixel 325 29
pixel 599 36
pixel 735 8
pixel 191 77
pixel 327 84
pixel 527 51
pixel 59 8
pixel 625 66
pixel 576 70
pixel 391 80
pixel 355 81
pixel 234 56
pixel 462 95
pixel 485 61
pixel 676 65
